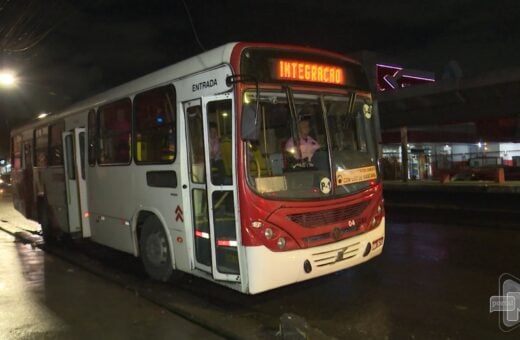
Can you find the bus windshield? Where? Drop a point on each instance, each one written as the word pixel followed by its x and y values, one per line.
pixel 311 145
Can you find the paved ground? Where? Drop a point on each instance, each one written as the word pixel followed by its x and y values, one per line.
pixel 44 297
pixel 433 281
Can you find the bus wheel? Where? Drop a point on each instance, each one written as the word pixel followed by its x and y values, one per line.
pixel 43 219
pixel 155 253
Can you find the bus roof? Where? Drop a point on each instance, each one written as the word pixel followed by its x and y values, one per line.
pixel 187 67
pixel 208 59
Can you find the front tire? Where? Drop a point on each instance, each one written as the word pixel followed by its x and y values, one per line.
pixel 154 249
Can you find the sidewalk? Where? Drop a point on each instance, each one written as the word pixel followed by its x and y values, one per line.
pixel 14 223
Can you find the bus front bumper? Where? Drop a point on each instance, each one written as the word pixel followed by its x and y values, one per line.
pixel 268 269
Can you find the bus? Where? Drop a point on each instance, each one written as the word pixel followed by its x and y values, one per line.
pixel 204 167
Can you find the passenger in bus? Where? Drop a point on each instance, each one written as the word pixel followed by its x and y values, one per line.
pixel 218 171
pixel 306 146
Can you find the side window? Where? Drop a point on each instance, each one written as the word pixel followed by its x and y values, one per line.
pixel 41 146
pixel 55 143
pixel 92 137
pixel 155 136
pixel 196 144
pixel 16 152
pixel 115 122
pixel 27 155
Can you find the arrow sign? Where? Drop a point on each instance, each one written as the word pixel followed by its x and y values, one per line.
pixel 394 77
pixel 179 214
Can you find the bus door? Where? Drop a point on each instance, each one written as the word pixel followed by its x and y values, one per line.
pixel 28 181
pixel 210 132
pixel 74 160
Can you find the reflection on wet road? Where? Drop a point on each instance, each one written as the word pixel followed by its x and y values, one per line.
pixel 43 297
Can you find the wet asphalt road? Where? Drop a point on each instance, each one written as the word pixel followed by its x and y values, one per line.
pixel 44 297
pixel 433 281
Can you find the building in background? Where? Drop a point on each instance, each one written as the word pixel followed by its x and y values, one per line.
pixel 453 125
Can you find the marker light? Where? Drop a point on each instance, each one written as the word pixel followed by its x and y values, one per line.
pixel 202 234
pixel 281 243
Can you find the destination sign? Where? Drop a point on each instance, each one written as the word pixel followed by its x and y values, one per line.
pixel 309 71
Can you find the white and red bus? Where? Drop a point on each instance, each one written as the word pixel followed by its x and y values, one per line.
pixel 202 167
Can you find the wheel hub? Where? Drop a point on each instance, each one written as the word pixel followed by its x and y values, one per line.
pixel 156 249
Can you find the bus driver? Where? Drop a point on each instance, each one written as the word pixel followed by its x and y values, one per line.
pixel 305 148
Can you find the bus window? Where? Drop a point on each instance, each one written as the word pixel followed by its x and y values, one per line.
pixel 225 232
pixel 69 146
pixel 82 153
pixel 27 156
pixel 219 121
pixel 92 137
pixel 114 132
pixel 55 143
pixel 154 113
pixel 16 148
pixel 196 145
pixel 41 143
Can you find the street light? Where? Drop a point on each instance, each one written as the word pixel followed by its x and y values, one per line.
pixel 7 78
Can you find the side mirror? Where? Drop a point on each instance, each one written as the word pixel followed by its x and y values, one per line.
pixel 250 127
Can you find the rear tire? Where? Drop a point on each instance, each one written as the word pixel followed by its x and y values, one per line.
pixel 154 249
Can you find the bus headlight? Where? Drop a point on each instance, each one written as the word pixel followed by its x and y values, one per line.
pixel 260 232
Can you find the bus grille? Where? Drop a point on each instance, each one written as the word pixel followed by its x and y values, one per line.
pixel 326 236
pixel 331 257
pixel 320 218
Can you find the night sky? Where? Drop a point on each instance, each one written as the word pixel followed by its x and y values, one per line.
pixel 64 51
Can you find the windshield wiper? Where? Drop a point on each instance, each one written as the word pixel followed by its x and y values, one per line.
pixel 294 125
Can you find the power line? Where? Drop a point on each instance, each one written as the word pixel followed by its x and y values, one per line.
pixel 192 25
